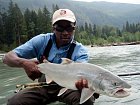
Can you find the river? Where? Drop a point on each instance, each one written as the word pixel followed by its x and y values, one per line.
pixel 117 59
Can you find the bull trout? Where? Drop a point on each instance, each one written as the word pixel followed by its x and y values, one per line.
pixel 99 79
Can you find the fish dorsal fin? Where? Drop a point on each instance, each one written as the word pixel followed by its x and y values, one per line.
pixel 48 79
pixel 62 91
pixel 66 61
pixel 86 94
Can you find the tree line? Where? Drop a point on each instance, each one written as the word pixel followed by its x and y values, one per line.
pixel 16 27
pixel 104 35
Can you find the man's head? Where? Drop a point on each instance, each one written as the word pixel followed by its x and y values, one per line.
pixel 63 22
pixel 63 14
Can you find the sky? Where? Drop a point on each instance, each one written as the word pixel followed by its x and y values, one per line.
pixel 117 1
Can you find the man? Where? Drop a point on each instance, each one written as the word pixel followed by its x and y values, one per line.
pixel 62 38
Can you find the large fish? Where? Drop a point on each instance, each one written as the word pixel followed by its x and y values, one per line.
pixel 99 79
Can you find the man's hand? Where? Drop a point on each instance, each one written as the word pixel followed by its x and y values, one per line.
pixel 30 66
pixel 82 83
pixel 31 69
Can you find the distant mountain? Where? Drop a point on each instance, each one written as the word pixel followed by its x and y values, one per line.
pixel 100 13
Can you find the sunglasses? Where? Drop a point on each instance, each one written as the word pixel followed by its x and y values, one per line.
pixel 62 29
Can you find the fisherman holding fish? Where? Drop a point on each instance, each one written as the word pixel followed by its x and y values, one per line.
pixel 53 47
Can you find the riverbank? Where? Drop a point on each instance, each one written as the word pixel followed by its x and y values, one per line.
pixel 111 44
pixel 118 44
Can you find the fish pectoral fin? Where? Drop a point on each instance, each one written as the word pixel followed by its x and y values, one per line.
pixel 48 79
pixel 85 94
pixel 66 61
pixel 62 91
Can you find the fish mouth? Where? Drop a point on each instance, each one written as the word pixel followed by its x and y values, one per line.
pixel 121 92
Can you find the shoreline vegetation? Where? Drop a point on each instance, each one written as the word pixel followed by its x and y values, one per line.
pixel 2 53
pixel 104 45
pixel 118 44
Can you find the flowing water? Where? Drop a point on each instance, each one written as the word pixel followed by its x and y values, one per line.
pixel 117 59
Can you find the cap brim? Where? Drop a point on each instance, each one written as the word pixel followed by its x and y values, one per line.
pixel 64 18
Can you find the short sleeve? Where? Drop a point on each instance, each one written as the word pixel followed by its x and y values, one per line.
pixel 32 47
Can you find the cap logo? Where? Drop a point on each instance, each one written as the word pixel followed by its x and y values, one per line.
pixel 62 12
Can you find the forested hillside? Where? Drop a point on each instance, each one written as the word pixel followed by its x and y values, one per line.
pixel 99 13
pixel 18 25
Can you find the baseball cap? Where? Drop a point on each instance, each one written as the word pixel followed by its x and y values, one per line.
pixel 63 14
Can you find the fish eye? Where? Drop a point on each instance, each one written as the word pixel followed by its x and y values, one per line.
pixel 115 83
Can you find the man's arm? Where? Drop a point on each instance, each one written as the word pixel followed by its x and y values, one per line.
pixel 12 60
pixel 30 66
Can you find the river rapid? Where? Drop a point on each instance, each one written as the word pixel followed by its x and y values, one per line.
pixel 117 59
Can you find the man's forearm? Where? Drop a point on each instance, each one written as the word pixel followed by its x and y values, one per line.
pixel 11 59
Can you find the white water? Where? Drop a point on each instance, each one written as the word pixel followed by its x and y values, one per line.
pixel 118 59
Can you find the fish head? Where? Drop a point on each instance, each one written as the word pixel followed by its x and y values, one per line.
pixel 114 86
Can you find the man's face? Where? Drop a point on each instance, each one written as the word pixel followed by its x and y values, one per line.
pixel 64 32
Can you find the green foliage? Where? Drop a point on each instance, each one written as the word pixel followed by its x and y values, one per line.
pixel 100 41
pixel 111 39
pixel 137 36
pixel 17 27
pixel 99 13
